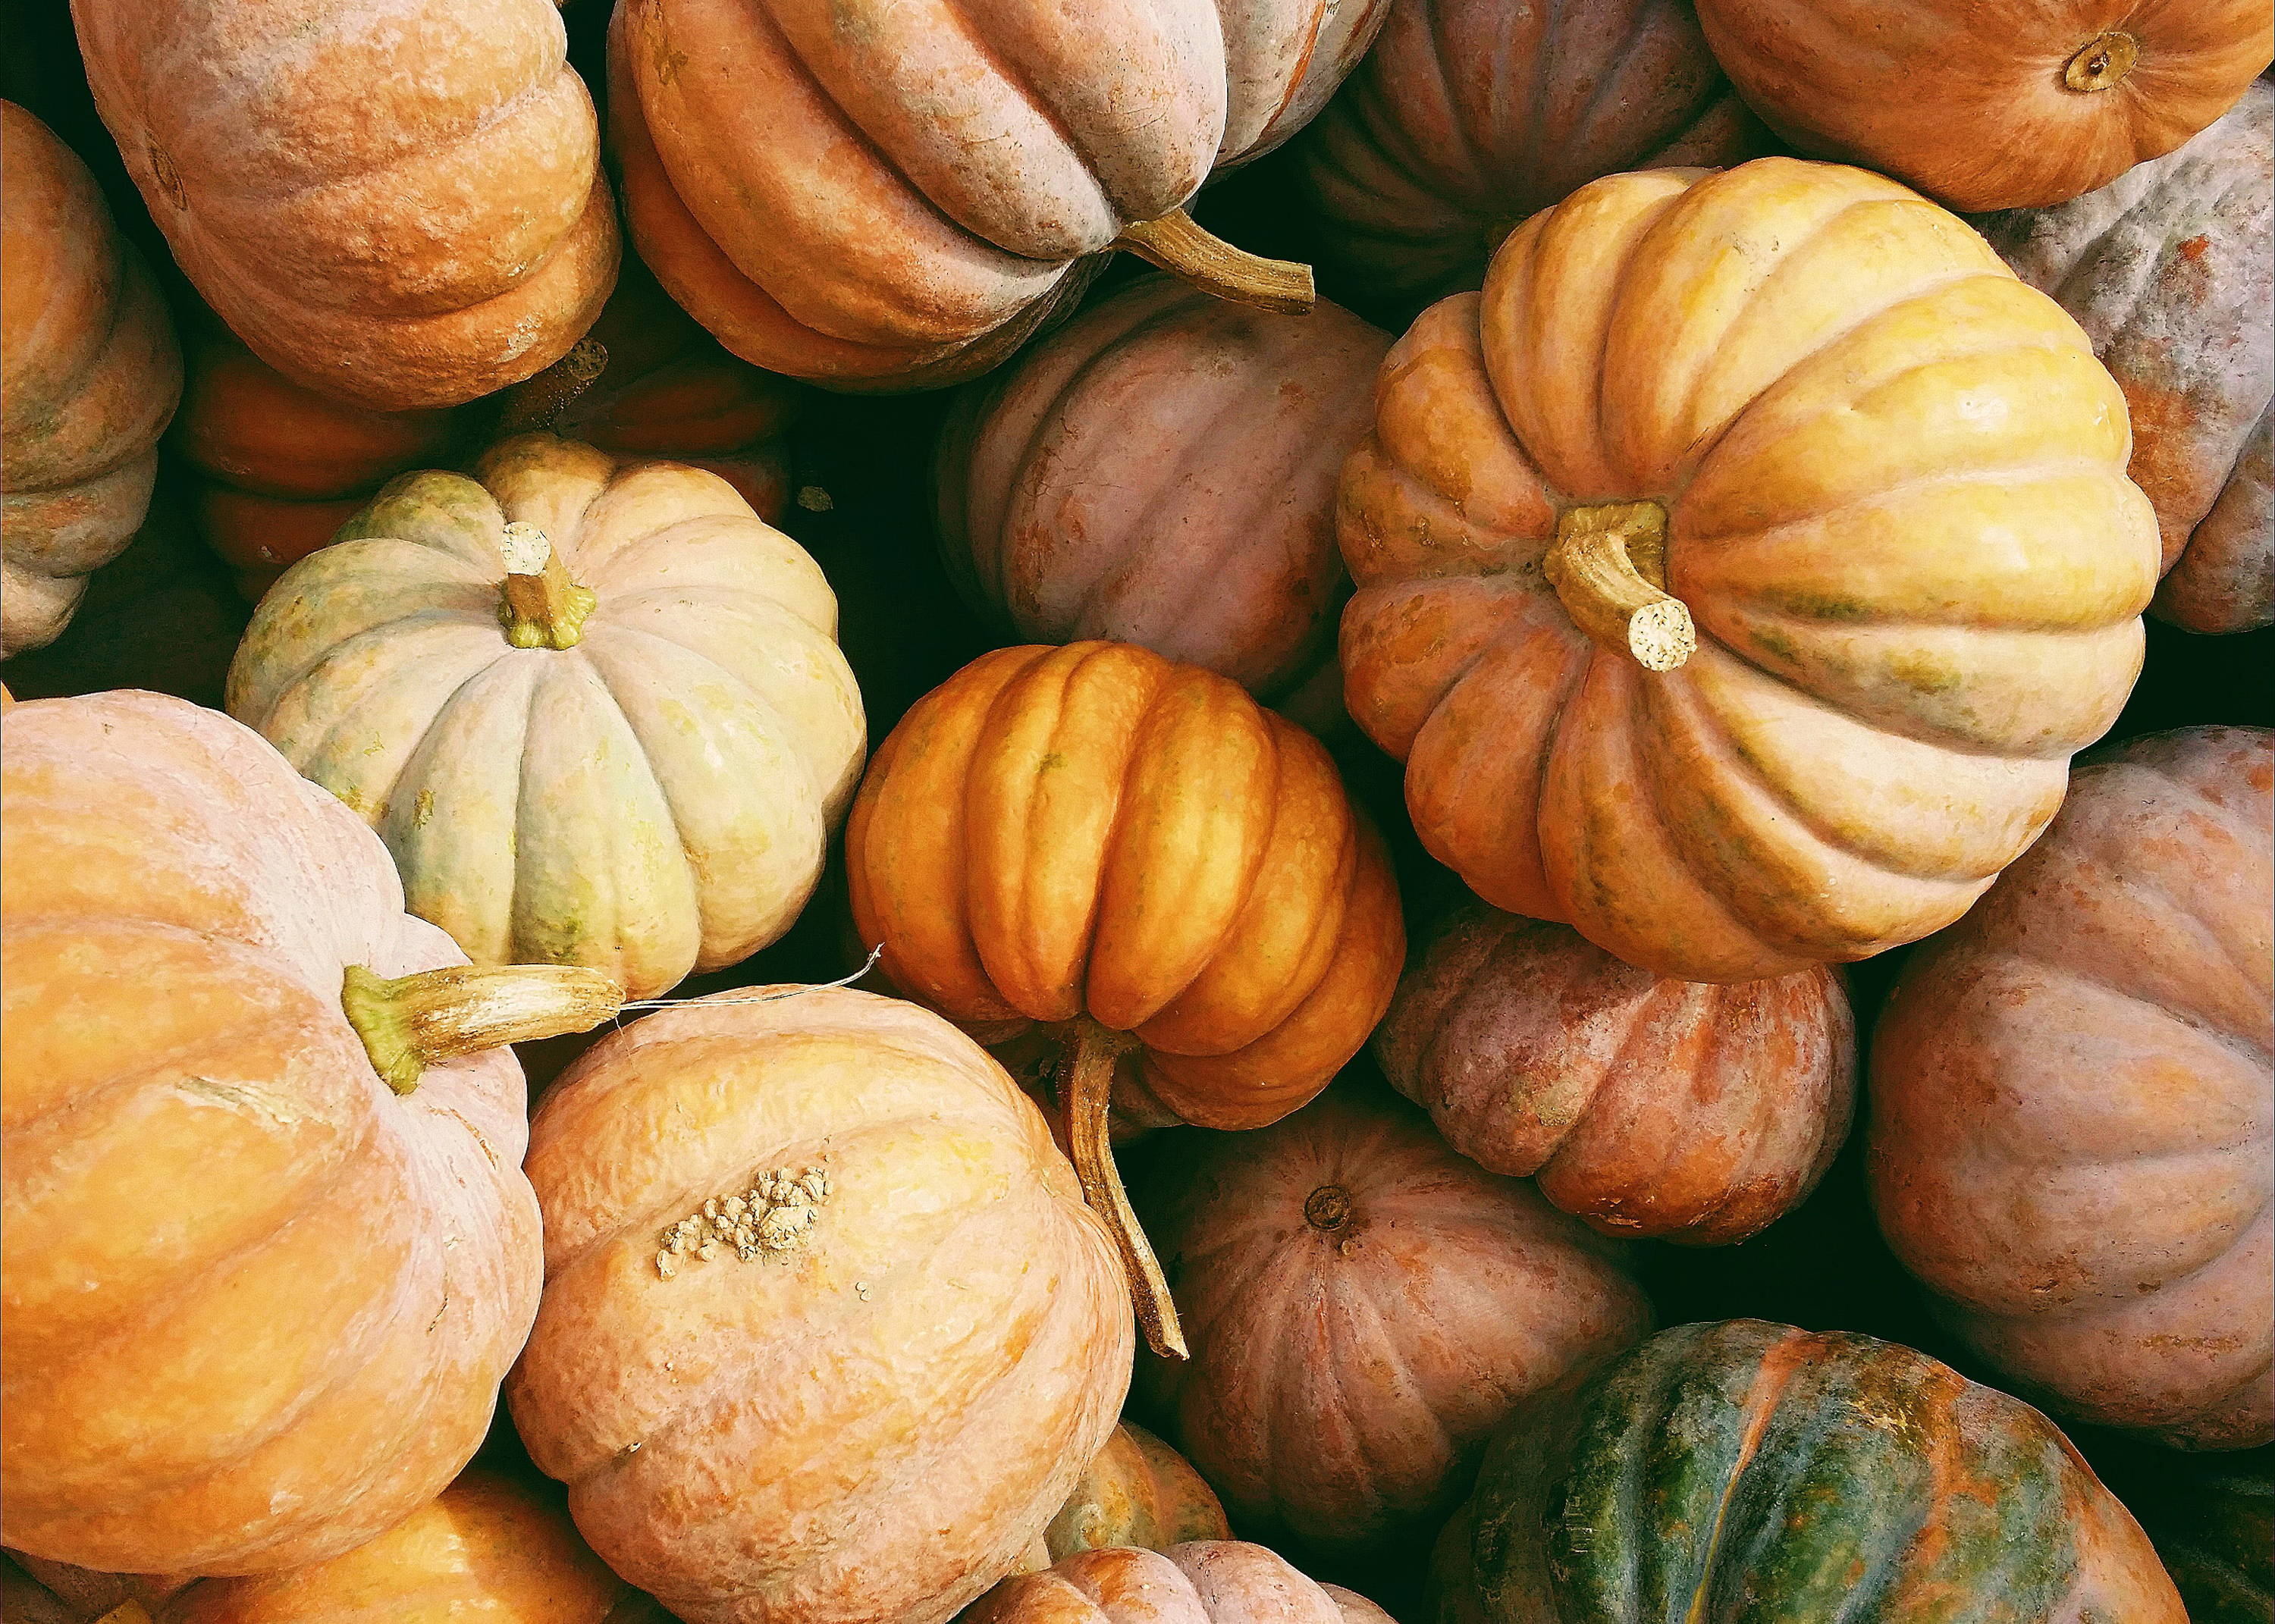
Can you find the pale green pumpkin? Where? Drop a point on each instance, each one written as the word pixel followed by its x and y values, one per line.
pixel 628 755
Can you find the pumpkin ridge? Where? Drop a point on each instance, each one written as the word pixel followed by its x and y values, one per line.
pixel 1643 1018
pixel 326 744
pixel 1360 1320
pixel 1024 87
pixel 2084 976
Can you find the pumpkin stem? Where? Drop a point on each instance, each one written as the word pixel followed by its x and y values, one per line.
pixel 2102 62
pixel 1214 266
pixel 1085 1089
pixel 542 607
pixel 1608 565
pixel 413 1022
pixel 538 403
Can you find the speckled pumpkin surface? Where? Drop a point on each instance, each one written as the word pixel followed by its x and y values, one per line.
pixel 1206 1582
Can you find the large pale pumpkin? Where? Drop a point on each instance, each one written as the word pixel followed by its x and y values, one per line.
pixel 1645 1106
pixel 827 1334
pixel 89 375
pixel 1202 1582
pixel 596 709
pixel 398 202
pixel 261 1279
pixel 2170 268
pixel 1738 1470
pixel 1162 471
pixel 1990 106
pixel 1364 1306
pixel 878 197
pixel 2072 1092
pixel 1737 573
pixel 1134 856
pixel 1469 115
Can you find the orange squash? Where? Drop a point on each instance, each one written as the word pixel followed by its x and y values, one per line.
pixel 265 1249
pixel 400 205
pixel 1739 570
pixel 89 374
pixel 1206 1582
pixel 1137 857
pixel 1139 1491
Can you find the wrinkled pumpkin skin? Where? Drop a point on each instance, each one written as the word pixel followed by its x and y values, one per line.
pixel 1162 471
pixel 1990 107
pixel 1737 1470
pixel 651 801
pixel 1881 705
pixel 2071 1099
pixel 400 205
pixel 1205 1582
pixel 1346 1280
pixel 2170 269
pixel 873 1424
pixel 89 374
pixel 872 197
pixel 258 1305
pixel 1469 115
pixel 1675 1110
pixel 1139 1491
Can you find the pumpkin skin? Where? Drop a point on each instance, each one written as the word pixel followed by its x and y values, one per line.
pixel 1469 115
pixel 1881 703
pixel 89 378
pixel 1346 1279
pixel 2167 268
pixel 1990 107
pixel 1735 1469
pixel 878 198
pixel 1676 1110
pixel 398 206
pixel 873 1425
pixel 1139 1491
pixel 2071 1093
pixel 1202 1582
pixel 258 1305
pixel 1162 471
pixel 652 799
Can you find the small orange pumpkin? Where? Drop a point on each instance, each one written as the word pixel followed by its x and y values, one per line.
pixel 1204 1582
pixel 1139 1491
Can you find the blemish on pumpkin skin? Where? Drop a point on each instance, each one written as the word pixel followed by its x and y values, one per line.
pixel 2194 248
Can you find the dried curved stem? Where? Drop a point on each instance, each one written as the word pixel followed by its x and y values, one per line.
pixel 410 1023
pixel 1214 266
pixel 1608 565
pixel 1085 1089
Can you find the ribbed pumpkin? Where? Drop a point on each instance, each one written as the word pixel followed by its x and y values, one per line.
pixel 1139 1491
pixel 1990 106
pixel 881 197
pixel 596 709
pixel 260 1278
pixel 1469 115
pixel 89 374
pixel 1206 1582
pixel 1738 573
pixel 2170 269
pixel 2072 1092
pixel 1738 1470
pixel 1136 856
pixel 1678 1110
pixel 1162 471
pixel 864 1390
pixel 398 202
pixel 1365 1307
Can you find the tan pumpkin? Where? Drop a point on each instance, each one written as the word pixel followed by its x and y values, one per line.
pixel 880 197
pixel 1677 1110
pixel 827 1334
pixel 261 1277
pixel 1162 471
pixel 1990 106
pixel 1364 1307
pixel 1737 573
pixel 89 374
pixel 397 204
pixel 2170 269
pixel 2071 1099
pixel 1206 1582
pixel 596 709
pixel 1139 1491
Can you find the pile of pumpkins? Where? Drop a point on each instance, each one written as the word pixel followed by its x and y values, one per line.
pixel 1425 768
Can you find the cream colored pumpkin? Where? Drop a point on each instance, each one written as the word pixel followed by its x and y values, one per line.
pixel 630 759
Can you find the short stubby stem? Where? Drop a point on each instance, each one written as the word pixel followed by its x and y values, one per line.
pixel 538 403
pixel 1328 1208
pixel 1214 266
pixel 540 606
pixel 1085 1090
pixel 2101 62
pixel 410 1023
pixel 1608 565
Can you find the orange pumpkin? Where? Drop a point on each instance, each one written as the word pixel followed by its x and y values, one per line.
pixel 1738 571
pixel 2071 1095
pixel 261 1279
pixel 89 374
pixel 828 1334
pixel 400 205
pixel 1139 1491
pixel 1205 1582
pixel 1135 855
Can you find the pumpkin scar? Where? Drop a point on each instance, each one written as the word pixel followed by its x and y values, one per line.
pixel 241 1097
pixel 771 1219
